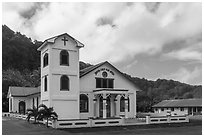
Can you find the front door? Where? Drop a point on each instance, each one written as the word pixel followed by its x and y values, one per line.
pixel 101 107
pixel 21 107
pixel 108 107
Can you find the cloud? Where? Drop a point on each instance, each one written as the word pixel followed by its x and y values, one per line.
pixel 190 53
pixel 152 6
pixel 187 76
pixel 127 67
pixel 110 31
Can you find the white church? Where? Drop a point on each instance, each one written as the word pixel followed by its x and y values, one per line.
pixel 99 91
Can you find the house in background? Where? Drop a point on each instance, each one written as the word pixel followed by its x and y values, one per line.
pixel 179 107
pixel 22 98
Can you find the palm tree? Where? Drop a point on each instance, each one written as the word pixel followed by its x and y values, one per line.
pixel 32 112
pixel 45 112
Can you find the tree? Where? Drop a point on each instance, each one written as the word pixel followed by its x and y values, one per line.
pixel 32 112
pixel 47 113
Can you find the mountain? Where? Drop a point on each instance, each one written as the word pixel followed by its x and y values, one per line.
pixel 153 92
pixel 21 67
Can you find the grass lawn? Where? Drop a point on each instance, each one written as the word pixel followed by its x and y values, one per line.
pixel 12 126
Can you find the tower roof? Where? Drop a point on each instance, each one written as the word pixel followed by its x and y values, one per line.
pixel 52 40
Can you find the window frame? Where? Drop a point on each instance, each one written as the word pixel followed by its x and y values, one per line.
pixel 85 100
pixel 61 82
pixel 45 84
pixel 64 53
pixel 123 106
pixel 45 60
pixel 181 108
pixel 100 82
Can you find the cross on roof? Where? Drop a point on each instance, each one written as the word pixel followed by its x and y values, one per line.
pixel 64 39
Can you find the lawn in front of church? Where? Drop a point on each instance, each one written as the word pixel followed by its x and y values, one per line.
pixel 13 126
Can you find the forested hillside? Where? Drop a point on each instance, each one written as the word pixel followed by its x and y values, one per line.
pixel 21 67
pixel 161 89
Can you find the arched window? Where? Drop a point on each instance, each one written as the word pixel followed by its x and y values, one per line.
pixel 45 83
pixel 45 60
pixel 84 103
pixel 122 104
pixel 64 83
pixel 64 58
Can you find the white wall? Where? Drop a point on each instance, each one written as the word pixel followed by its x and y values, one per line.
pixel 88 84
pixel 54 97
pixel 28 101
pixel 176 111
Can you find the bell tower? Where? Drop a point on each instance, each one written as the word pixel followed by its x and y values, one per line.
pixel 60 75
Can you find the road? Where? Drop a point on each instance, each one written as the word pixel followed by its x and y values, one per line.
pixel 12 126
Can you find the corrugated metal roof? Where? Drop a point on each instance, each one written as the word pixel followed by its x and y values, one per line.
pixel 23 91
pixel 180 103
pixel 89 69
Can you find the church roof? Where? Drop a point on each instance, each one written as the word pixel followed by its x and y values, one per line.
pixel 27 91
pixel 180 103
pixel 87 70
pixel 52 40
pixel 23 91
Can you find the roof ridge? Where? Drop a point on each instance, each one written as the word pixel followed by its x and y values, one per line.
pixel 88 69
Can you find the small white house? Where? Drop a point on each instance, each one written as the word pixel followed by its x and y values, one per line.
pixel 22 98
pixel 99 91
pixel 178 107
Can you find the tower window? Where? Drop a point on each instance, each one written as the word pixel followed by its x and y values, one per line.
pixel 45 60
pixel 45 83
pixel 64 83
pixel 64 58
pixel 84 103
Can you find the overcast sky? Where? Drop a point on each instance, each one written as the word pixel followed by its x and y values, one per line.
pixel 150 40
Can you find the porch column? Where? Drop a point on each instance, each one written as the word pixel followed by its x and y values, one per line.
pixel 97 106
pixel 94 106
pixel 104 105
pixel 112 105
pixel 126 105
pixel 117 106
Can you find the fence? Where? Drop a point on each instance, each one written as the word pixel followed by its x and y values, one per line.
pixel 166 119
pixel 78 123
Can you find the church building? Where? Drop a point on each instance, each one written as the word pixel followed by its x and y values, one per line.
pixel 99 91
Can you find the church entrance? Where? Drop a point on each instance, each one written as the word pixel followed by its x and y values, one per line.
pixel 108 107
pixel 21 107
pixel 101 107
